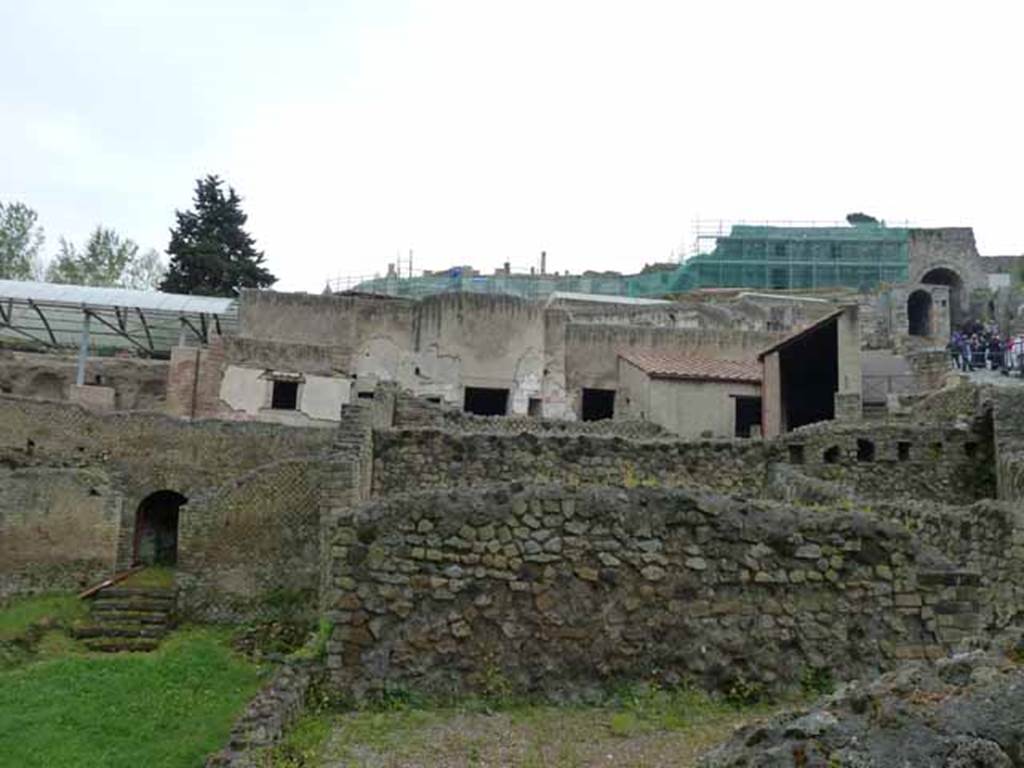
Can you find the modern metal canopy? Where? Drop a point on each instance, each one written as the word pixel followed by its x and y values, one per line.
pixel 83 316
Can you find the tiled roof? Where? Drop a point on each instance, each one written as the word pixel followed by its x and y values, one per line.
pixel 674 365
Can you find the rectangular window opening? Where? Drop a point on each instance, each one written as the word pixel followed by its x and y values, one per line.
pixel 597 404
pixel 485 401
pixel 535 408
pixel 285 395
pixel 903 451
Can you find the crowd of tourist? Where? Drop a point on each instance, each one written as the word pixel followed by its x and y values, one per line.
pixel 977 346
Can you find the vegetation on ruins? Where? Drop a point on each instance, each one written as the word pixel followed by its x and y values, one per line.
pixel 631 724
pixel 211 253
pixel 107 260
pixel 21 239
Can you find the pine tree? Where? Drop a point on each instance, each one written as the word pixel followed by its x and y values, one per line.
pixel 211 254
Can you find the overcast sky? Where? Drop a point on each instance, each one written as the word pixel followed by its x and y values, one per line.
pixel 479 132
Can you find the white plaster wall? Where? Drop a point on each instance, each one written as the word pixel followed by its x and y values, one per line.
pixel 321 397
pixel 244 390
pixel 690 408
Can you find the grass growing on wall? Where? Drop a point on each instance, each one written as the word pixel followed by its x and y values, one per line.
pixel 166 709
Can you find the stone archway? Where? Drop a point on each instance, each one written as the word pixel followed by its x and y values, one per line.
pixel 156 528
pixel 951 279
pixel 919 313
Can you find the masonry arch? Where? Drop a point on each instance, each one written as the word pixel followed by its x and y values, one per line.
pixel 156 528
pixel 951 279
pixel 919 313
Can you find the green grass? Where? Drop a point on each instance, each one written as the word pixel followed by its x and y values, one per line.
pixel 151 576
pixel 17 618
pixel 166 709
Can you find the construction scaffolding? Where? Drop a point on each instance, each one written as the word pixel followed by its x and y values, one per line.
pixel 772 257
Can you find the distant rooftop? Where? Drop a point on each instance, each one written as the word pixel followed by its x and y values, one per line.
pixel 674 365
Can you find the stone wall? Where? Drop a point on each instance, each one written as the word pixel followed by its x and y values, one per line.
pixel 138 384
pixel 409 460
pixel 906 460
pixel 59 527
pixel 1008 421
pixel 415 412
pixel 540 588
pixel 252 547
pixel 912 461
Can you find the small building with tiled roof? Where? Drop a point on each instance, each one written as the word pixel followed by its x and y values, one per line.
pixel 690 395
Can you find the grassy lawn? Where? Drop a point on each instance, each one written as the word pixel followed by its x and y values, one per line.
pixel 16 619
pixel 652 728
pixel 66 707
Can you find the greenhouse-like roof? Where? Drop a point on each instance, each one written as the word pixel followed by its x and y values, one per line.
pixel 55 315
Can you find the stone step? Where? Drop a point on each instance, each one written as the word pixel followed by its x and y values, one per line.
pixel 142 604
pixel 105 631
pixel 156 593
pixel 132 617
pixel 119 645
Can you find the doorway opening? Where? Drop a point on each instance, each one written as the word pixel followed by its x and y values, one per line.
pixel 597 404
pixel 919 313
pixel 485 401
pixel 156 528
pixel 748 415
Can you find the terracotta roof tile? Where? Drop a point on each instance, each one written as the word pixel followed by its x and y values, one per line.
pixel 674 365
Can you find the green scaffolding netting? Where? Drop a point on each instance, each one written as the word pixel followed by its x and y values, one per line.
pixel 759 257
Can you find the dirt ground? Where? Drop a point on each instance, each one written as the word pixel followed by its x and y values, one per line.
pixel 524 738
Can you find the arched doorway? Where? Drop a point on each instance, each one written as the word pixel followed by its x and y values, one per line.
pixel 949 278
pixel 156 528
pixel 919 313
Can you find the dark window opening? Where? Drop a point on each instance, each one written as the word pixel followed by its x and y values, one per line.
pixel 535 408
pixel 748 415
pixel 971 449
pixel 936 450
pixel 98 380
pixel 434 399
pixel 903 451
pixel 285 395
pixel 365 395
pixel 865 450
pixel 796 454
pixel 831 455
pixel 485 401
pixel 597 404
pixel 156 528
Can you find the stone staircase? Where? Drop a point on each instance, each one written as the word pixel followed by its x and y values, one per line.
pixel 128 619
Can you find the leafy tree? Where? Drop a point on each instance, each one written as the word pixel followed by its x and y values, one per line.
pixel 145 272
pixel 211 254
pixel 20 242
pixel 104 260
